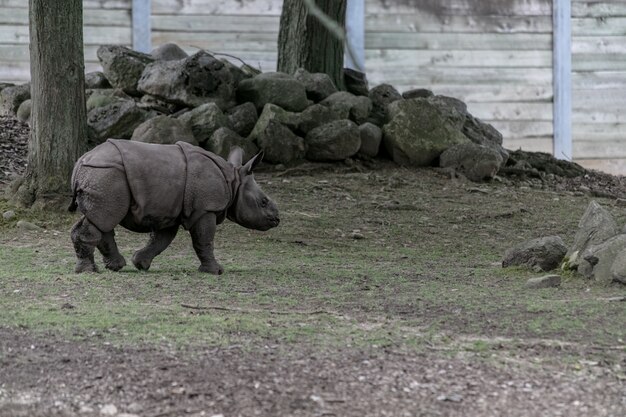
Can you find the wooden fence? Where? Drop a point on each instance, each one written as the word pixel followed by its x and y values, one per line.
pixel 497 55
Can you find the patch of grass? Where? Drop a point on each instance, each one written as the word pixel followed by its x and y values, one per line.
pixel 428 270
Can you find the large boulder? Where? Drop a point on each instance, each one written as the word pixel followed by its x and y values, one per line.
pixel 355 82
pixel 476 162
pixel 122 66
pixel 542 254
pixel 417 93
pixel 168 52
pixel 280 144
pixel 334 141
pixel 96 80
pixel 274 114
pixel 382 95
pixel 602 260
pixel 349 106
pixel 11 97
pixel 204 121
pixel 163 130
pixel 318 85
pixel 371 137
pixel 190 82
pixel 314 116
pixel 115 120
pixel 243 118
pixel 276 88
pixel 618 269
pixel 104 97
pixel 23 112
pixel 419 131
pixel 596 225
pixel 223 139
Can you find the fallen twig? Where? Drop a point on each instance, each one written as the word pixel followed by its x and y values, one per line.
pixel 250 311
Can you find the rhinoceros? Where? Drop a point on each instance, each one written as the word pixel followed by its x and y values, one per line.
pixel 149 188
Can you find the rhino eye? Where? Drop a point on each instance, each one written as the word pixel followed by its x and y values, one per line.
pixel 264 202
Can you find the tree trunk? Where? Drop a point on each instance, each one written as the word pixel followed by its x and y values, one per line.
pixel 58 116
pixel 303 42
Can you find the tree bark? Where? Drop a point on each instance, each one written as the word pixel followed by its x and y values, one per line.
pixel 58 116
pixel 304 42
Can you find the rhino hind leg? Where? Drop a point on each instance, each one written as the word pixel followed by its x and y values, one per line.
pixel 202 234
pixel 159 241
pixel 112 257
pixel 85 237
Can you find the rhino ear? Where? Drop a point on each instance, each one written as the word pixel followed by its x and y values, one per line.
pixel 252 163
pixel 235 156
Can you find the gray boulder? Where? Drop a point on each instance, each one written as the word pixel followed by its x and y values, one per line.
pixel 223 139
pixel 204 121
pixel 419 131
pixel 602 262
pixel 243 118
pixel 371 137
pixel 273 114
pixel 382 95
pixel 314 116
pixel 334 141
pixel 417 93
pixel 485 134
pixel 280 144
pixel 116 120
pixel 349 106
pixel 237 73
pixel 122 66
pixel 163 130
pixel 618 269
pixel 23 112
pixel 276 88
pixel 4 85
pixel 190 82
pixel 596 225
pixel 11 97
pixel 168 52
pixel 542 254
pixel 476 162
pixel 318 86
pixel 154 103
pixel 104 97
pixel 96 80
pixel 355 82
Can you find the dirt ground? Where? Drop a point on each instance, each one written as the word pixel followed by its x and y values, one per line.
pixel 380 294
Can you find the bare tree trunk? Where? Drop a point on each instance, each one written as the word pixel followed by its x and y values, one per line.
pixel 58 117
pixel 303 41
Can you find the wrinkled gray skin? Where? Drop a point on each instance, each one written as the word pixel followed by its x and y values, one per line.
pixel 247 206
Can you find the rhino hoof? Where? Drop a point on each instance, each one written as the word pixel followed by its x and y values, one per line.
pixel 114 264
pixel 85 265
pixel 215 269
pixel 141 264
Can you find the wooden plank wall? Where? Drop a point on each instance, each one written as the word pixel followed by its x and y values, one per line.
pixel 599 84
pixel 105 21
pixel 494 54
pixel 245 29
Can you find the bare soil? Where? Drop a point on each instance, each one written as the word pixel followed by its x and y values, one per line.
pixel 380 294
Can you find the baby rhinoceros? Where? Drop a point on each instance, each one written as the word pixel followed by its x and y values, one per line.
pixel 154 189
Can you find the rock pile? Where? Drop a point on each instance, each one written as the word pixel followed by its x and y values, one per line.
pixel 598 251
pixel 166 96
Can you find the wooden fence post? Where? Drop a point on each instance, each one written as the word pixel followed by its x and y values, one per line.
pixel 562 78
pixel 141 28
pixel 355 34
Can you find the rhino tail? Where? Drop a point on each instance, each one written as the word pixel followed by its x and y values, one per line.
pixel 73 204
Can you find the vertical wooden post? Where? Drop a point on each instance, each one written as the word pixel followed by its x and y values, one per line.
pixel 562 78
pixel 355 35
pixel 141 29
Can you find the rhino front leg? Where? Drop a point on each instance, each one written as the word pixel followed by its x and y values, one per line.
pixel 112 257
pixel 202 234
pixel 85 236
pixel 159 241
